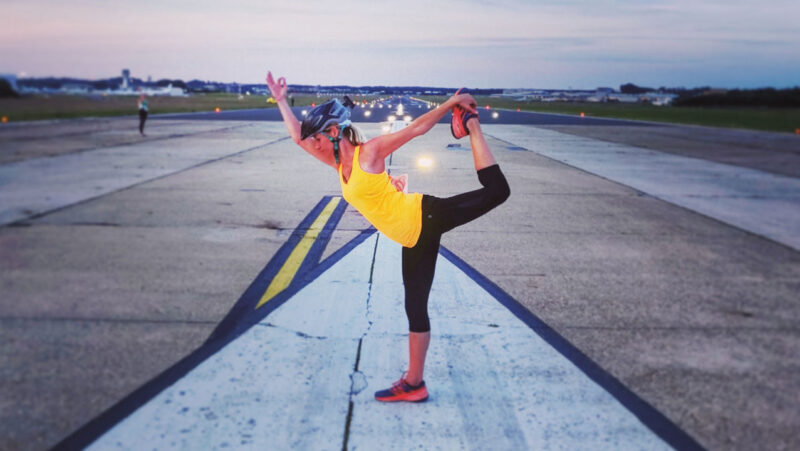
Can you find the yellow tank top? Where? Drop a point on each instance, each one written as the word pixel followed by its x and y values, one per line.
pixel 396 214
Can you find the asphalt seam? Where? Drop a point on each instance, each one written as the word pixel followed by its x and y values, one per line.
pixel 123 144
pixel 659 197
pixel 356 371
pixel 87 200
pixel 108 320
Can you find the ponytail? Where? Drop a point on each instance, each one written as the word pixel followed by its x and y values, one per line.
pixel 354 135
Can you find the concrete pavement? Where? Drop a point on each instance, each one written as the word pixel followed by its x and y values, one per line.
pixel 696 317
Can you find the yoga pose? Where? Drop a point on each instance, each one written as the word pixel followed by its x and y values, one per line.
pixel 415 221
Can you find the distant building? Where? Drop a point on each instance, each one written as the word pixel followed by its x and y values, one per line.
pixel 76 88
pixel 625 98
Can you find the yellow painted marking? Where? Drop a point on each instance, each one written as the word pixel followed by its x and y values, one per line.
pixel 295 259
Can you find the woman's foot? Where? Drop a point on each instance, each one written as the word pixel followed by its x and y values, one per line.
pixel 403 391
pixel 458 124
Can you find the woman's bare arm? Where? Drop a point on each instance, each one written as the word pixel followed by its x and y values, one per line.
pixel 381 147
pixel 279 89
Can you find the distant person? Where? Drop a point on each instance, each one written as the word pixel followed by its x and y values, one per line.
pixel 291 98
pixel 142 113
pixel 415 221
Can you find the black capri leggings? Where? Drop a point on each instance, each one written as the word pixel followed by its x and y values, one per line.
pixel 439 216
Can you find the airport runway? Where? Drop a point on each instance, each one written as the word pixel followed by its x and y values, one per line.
pixel 412 109
pixel 602 306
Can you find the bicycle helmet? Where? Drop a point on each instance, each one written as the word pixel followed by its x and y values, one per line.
pixel 323 116
pixel 320 118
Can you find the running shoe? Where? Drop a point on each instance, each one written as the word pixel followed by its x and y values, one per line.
pixel 458 125
pixel 403 391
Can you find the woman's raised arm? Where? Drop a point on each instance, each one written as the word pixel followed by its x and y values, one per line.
pixel 381 147
pixel 279 89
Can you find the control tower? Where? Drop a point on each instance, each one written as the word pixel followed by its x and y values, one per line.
pixel 126 79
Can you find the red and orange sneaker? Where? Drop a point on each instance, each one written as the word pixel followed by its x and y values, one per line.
pixel 403 391
pixel 458 125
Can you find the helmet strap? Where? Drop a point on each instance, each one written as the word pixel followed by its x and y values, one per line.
pixel 335 142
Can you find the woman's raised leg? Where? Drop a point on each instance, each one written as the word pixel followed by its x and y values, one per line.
pixel 480 150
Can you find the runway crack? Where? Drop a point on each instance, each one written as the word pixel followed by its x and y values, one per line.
pixel 358 381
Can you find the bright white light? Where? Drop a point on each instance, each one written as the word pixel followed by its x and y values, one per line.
pixel 386 128
pixel 425 162
pixel 367 113
pixel 495 115
pixel 391 118
pixel 407 118
pixel 304 112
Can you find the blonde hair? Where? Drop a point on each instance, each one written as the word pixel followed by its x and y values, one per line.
pixel 354 135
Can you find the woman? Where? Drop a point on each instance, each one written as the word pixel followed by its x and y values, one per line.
pixel 415 221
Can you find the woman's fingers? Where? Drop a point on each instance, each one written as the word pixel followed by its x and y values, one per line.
pixel 472 107
pixel 278 89
pixel 467 102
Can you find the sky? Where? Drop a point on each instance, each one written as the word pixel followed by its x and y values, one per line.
pixel 556 44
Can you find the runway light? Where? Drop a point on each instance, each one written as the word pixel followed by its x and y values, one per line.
pixel 407 118
pixel 304 112
pixel 313 104
pixel 4 119
pixel 367 113
pixel 217 110
pixel 796 131
pixel 425 162
pixel 495 115
pixel 517 110
pixel 487 107
pixel 583 114
pixel 391 118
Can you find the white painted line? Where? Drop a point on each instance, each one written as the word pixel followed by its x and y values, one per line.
pixel 757 201
pixel 286 383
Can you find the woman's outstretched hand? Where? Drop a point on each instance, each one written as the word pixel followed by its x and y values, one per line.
pixel 467 102
pixel 278 89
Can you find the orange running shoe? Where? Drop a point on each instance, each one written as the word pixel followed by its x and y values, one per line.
pixel 458 125
pixel 403 391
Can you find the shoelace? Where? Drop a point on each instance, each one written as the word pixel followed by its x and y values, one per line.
pixel 397 387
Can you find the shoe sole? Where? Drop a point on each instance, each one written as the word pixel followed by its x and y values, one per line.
pixel 411 397
pixel 401 399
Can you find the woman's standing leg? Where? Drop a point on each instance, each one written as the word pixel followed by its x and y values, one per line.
pixel 419 265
